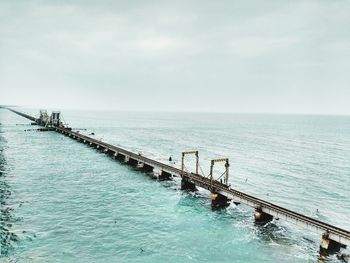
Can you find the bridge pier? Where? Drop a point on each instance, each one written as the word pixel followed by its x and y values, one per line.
pixel 219 201
pixel 164 176
pixel 187 185
pixel 261 217
pixel 126 159
pixel 329 246
pixel 139 166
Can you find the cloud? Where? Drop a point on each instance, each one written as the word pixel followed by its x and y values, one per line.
pixel 258 46
pixel 222 56
pixel 159 43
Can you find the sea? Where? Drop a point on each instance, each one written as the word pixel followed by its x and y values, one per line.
pixel 62 201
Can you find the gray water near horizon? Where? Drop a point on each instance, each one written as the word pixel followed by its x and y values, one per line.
pixel 62 201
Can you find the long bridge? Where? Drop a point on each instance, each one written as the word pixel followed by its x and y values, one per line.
pixel 332 238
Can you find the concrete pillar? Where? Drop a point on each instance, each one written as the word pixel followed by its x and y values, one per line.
pixel 187 185
pixel 164 176
pixel 126 158
pixel 219 200
pixel 139 166
pixel 329 246
pixel 261 217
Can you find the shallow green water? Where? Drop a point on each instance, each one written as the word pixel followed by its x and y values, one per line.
pixel 63 201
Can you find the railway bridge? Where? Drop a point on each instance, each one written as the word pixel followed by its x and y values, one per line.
pixel 332 238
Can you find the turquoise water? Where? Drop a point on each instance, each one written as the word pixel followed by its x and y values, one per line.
pixel 62 201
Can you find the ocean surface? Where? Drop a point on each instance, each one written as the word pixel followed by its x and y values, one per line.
pixel 62 201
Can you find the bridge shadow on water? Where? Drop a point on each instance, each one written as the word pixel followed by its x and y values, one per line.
pixel 7 218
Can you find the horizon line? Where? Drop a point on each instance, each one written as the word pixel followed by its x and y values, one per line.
pixel 190 111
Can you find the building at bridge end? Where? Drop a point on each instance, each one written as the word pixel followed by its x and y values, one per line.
pixel 52 120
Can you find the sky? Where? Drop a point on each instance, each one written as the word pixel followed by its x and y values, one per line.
pixel 209 56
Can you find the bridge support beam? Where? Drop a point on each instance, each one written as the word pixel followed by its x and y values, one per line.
pixel 187 185
pixel 261 217
pixel 164 176
pixel 219 201
pixel 329 246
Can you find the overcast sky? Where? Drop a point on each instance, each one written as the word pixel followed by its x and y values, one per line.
pixel 223 56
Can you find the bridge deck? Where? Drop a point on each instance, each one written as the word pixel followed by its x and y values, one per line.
pixel 23 115
pixel 337 234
